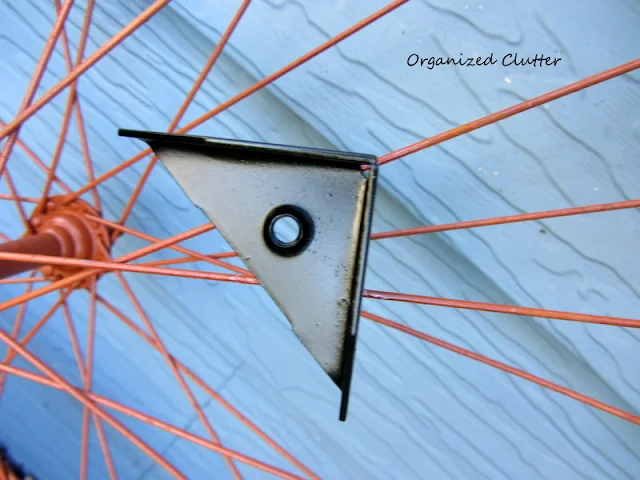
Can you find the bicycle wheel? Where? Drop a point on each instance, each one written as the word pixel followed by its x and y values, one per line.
pixel 164 363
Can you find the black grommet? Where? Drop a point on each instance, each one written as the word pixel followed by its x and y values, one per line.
pixel 305 230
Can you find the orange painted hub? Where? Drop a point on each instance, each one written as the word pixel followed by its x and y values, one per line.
pixel 79 236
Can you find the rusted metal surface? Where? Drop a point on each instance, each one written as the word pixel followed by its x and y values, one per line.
pixel 317 278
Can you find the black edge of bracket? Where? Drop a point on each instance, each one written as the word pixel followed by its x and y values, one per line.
pixel 285 153
pixel 351 335
pixel 255 151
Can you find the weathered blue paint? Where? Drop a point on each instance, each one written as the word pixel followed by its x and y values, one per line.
pixel 417 412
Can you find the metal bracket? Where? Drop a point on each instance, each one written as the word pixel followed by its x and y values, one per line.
pixel 316 274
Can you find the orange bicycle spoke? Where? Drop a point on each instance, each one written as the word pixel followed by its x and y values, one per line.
pixel 39 163
pixel 91 334
pixel 506 309
pixel 176 261
pixel 86 401
pixel 178 432
pixel 215 395
pixel 185 104
pixel 34 83
pixel 4 196
pixel 209 65
pixel 13 281
pixel 295 64
pixel 75 345
pixel 115 266
pixel 82 134
pixel 244 94
pixel 159 245
pixel 86 380
pixel 107 266
pixel 15 330
pixel 72 99
pixel 104 446
pixel 511 111
pixel 506 368
pixel 84 145
pixel 4 470
pixel 177 248
pixel 12 190
pixel 52 287
pixel 62 137
pixel 88 376
pixel 83 67
pixel 102 439
pixel 107 175
pixel 11 354
pixel 73 337
pixel 176 373
pixel 524 217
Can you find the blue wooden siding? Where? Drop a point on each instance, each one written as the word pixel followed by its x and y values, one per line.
pixel 417 411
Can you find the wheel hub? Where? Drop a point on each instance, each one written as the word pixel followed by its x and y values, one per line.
pixel 62 229
pixel 78 235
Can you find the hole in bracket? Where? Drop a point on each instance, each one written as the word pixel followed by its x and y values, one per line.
pixel 288 230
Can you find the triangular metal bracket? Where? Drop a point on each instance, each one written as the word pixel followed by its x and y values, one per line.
pixel 316 276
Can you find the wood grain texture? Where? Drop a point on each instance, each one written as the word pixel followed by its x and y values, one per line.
pixel 417 412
